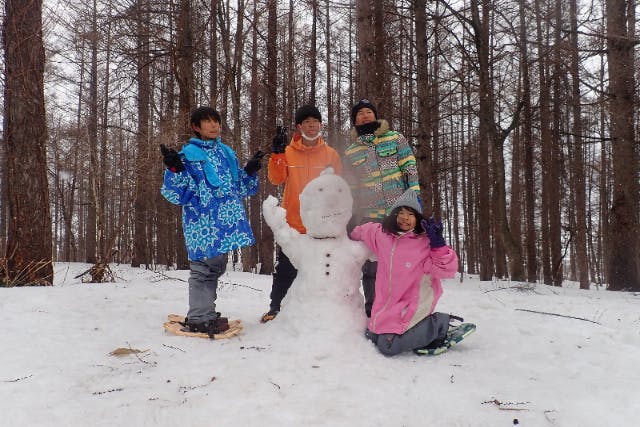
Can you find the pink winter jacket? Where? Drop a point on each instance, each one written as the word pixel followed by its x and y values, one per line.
pixel 408 279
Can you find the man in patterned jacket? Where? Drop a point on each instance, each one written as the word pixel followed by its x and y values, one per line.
pixel 380 166
pixel 207 181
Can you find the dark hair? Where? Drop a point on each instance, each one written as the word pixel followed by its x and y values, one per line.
pixel 202 113
pixel 390 223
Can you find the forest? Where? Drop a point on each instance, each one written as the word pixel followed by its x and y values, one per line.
pixel 522 115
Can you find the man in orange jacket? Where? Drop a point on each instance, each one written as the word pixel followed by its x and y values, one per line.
pixel 294 165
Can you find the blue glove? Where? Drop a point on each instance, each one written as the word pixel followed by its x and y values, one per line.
pixel 434 232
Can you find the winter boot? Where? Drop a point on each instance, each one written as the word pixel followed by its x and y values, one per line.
pixel 269 315
pixel 210 327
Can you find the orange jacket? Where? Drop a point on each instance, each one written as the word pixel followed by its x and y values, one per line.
pixel 298 165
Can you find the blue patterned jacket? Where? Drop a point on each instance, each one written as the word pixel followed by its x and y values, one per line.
pixel 210 191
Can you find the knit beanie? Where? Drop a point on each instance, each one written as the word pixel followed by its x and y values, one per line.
pixel 409 198
pixel 363 103
pixel 305 112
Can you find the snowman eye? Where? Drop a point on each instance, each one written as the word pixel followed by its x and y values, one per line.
pixel 320 189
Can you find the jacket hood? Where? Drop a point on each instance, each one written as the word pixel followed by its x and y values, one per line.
pixel 384 128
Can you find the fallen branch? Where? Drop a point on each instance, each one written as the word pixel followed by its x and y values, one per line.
pixel 518 287
pixel 558 315
pixel 223 282
pixel 175 348
pixel 184 389
pixel 507 406
pixel 97 393
pixel 166 276
pixel 18 379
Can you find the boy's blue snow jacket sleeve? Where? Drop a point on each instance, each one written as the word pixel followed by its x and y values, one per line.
pixel 248 184
pixel 179 188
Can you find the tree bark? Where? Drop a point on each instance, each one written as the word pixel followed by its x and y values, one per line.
pixel 527 142
pixel 29 250
pixel 141 244
pixel 577 158
pixel 423 137
pixel 624 234
pixel 184 77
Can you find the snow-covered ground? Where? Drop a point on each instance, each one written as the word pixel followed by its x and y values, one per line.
pixel 519 367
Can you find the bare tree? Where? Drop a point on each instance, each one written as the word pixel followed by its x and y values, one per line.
pixel 423 144
pixel 527 143
pixel 577 154
pixel 266 241
pixel 624 229
pixel 142 242
pixel 29 243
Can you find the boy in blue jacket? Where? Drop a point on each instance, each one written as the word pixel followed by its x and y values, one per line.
pixel 206 180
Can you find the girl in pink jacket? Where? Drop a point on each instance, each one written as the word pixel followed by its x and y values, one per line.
pixel 412 258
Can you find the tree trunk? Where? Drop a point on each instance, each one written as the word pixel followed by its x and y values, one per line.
pixel 423 137
pixel 213 56
pixel 92 227
pixel 331 120
pixel 184 77
pixel 250 255
pixel 144 186
pixel 266 243
pixel 545 142
pixel 555 214
pixel 577 158
pixel 624 233
pixel 313 53
pixel 366 64
pixel 481 38
pixel 527 143
pixel 29 250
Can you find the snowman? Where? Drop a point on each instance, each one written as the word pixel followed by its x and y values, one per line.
pixel 324 299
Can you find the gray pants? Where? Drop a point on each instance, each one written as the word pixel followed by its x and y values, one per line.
pixel 429 329
pixel 203 287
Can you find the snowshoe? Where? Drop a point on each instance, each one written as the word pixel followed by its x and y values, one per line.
pixel 455 334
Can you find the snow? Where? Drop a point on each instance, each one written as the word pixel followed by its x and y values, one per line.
pixel 329 264
pixel 538 369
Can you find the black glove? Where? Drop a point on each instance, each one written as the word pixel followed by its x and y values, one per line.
pixel 254 164
pixel 279 141
pixel 171 159
pixel 434 232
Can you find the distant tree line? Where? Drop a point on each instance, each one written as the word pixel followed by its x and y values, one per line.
pixel 522 114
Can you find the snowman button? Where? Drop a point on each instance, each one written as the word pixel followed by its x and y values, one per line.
pixel 328 255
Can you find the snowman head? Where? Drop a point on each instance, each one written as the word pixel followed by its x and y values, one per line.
pixel 326 205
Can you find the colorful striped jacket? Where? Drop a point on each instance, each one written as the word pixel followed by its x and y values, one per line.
pixel 379 167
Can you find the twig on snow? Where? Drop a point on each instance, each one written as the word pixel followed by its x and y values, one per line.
pixel 175 348
pixel 15 380
pixel 558 315
pixel 507 406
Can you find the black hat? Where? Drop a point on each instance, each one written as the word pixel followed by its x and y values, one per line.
pixel 307 111
pixel 363 103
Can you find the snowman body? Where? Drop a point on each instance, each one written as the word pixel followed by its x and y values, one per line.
pixel 326 290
